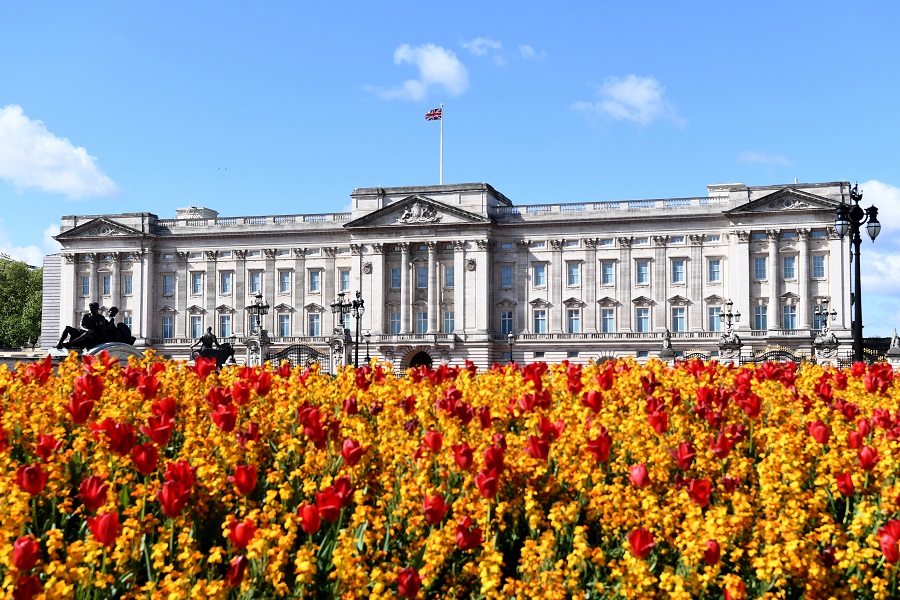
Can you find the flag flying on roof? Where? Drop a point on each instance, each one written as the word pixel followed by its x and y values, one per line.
pixel 434 115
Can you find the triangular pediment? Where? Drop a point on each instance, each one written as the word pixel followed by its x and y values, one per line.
pixel 642 301
pixel 786 200
pixel 678 300
pixel 417 210
pixel 99 227
pixel 167 310
pixel 314 308
pixel 506 303
pixel 283 308
pixel 607 301
pixel 224 308
pixel 195 310
pixel 714 299
pixel 574 302
pixel 540 303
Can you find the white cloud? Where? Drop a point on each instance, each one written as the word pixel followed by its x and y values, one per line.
pixel 33 158
pixel 752 157
pixel 481 46
pixel 527 52
pixel 31 254
pixel 437 67
pixel 632 98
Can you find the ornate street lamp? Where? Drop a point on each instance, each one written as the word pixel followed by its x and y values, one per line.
pixel 510 339
pixel 730 317
pixel 368 338
pixel 823 314
pixel 851 219
pixel 357 309
pixel 257 310
pixel 340 307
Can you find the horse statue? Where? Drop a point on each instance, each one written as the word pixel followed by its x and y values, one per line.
pixel 222 354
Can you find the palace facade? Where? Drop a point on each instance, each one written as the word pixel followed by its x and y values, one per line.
pixel 448 272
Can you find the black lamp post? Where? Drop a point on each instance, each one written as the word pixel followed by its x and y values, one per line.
pixel 852 218
pixel 823 314
pixel 257 310
pixel 357 309
pixel 730 317
pixel 368 338
pixel 339 307
pixel 510 339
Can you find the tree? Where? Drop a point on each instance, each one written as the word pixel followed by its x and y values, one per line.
pixel 20 303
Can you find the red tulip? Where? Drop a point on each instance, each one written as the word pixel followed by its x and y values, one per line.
pixel 241 532
pixel 699 490
pixel 638 476
pixel 720 445
pixel 262 383
pixel 92 493
pixel 27 587
pixel 434 440
pixel 484 417
pixel 659 421
pixel 240 392
pixel 600 446
pixel 350 406
pixel 488 483
pixel 684 456
pixel 641 541
pixel 845 484
pixel 250 435
pixel 158 429
pixel 854 440
pixel 309 518
pixel 408 583
pixel 79 407
pixel 26 552
pixel 538 447
pixel 468 537
pixel 182 472
pixel 713 552
pixel 225 417
pixel 593 400
pixel 46 446
pixel 494 456
pixel 146 458
pixel 105 527
pixel 463 455
pixel 867 458
pixel 352 452
pixel 121 437
pixel 887 539
pixel 90 386
pixel 864 426
pixel 217 396
pixel 31 478
pixel 819 431
pixel 173 498
pixel 828 557
pixel 730 483
pixel 148 386
pixel 344 490
pixel 165 407
pixel 203 366
pixel 434 508
pixel 329 504
pixel 244 479
pixel 235 574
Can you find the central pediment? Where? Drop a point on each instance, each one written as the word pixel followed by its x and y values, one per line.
pixel 99 227
pixel 785 200
pixel 417 210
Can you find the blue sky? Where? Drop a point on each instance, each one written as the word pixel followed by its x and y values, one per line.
pixel 120 107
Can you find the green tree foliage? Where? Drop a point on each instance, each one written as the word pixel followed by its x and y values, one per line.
pixel 20 303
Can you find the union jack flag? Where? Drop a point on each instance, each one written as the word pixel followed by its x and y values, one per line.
pixel 434 115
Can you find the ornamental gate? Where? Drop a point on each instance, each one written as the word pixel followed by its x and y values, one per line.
pixel 775 354
pixel 303 356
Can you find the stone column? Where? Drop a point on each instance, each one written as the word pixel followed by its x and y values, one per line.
pixel 433 308
pixel 839 278
pixel 481 266
pixel 114 295
pixel 299 299
pixel 378 284
pixel 144 291
pixel 659 284
pixel 182 289
pixel 459 287
pixel 270 284
pixel 68 283
pixel 404 288
pixel 624 286
pixel 211 287
pixel 329 286
pixel 556 281
pixel 803 320
pixel 239 317
pixel 522 316
pixel 95 283
pixel 696 274
pixel 590 285
pixel 773 274
pixel 739 274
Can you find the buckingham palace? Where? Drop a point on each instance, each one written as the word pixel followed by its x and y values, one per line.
pixel 448 272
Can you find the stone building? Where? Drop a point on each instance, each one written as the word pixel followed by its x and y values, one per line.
pixel 447 272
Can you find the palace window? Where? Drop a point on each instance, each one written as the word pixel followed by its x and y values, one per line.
pixel 449 277
pixel 314 324
pixel 394 323
pixel 448 321
pixel 643 320
pixel 678 271
pixel 788 269
pixel 789 316
pixel 225 326
pixel 540 320
pixel 678 323
pixel 421 321
pixel 643 272
pixel 107 285
pixel 315 280
pixel 196 326
pixel 760 321
pixel 506 321
pixel 818 266
pixel 345 280
pixel 196 284
pixel 168 327
pixel 607 320
pixel 129 284
pixel 284 325
pixel 421 277
pixel 715 270
pixel 607 273
pixel 284 281
pixel 573 274
pixel 759 267
pixel 255 282
pixel 573 320
pixel 395 279
pixel 225 282
pixel 506 276
pixel 714 318
pixel 540 275
pixel 168 285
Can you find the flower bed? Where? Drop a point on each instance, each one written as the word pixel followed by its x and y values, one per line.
pixel 156 479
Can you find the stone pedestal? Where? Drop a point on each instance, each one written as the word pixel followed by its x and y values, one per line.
pixel 339 343
pixel 825 347
pixel 257 348
pixel 730 347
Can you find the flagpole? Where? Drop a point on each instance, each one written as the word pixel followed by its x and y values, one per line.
pixel 441 180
